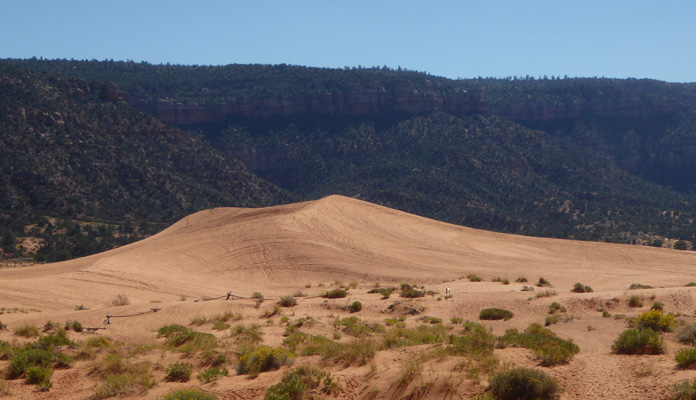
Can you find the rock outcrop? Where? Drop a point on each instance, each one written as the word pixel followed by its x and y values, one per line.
pixel 399 97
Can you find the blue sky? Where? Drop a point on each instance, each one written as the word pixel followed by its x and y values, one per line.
pixel 641 39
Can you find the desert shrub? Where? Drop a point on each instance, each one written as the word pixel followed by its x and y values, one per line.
pixel 546 347
pixel 580 288
pixel 50 326
pixel 552 319
pixel 220 325
pixel 189 394
pixel 543 282
pixel 179 372
pixel 690 284
pixel 524 384
pixel 5 389
pixel 526 288
pixel 473 341
pixel 635 301
pixel 99 341
pixel 49 342
pixel 335 294
pixel 182 339
pixel 257 296
pixel 639 341
pixel 251 335
pixel 606 314
pixel 28 357
pixel 456 320
pixel 545 293
pixel 40 376
pixel 212 374
pixel 430 320
pixel 687 335
pixel 636 286
pixel 262 359
pixel 684 390
pixel 6 350
pixel 495 314
pixel 521 279
pixel 410 292
pixel 120 300
pixel 27 331
pixel 556 307
pixel 686 358
pixel 270 312
pixel 353 326
pixel 422 334
pixel 655 320
pixel 657 305
pixel 294 384
pixel 474 278
pixel 355 307
pixel 287 301
pixel 504 281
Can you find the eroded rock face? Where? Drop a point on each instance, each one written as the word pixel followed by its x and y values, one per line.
pixel 399 97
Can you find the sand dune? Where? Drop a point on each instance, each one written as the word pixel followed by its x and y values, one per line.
pixel 276 250
pixel 243 250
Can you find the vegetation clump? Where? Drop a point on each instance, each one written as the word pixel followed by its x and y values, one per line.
pixel 287 301
pixel 547 348
pixel 179 372
pixel 542 282
pixel 555 306
pixel 474 278
pixel 684 390
pixel 296 384
pixel 212 374
pixel 636 286
pixel 495 314
pixel 182 339
pixel 655 320
pixel 410 292
pixel 524 383
pixel 686 358
pixel 687 335
pixel 639 341
pixel 635 301
pixel 189 394
pixel 262 359
pixel 335 294
pixel 355 307
pixel 580 288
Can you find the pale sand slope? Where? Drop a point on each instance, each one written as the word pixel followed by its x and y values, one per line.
pixel 243 250
pixel 278 250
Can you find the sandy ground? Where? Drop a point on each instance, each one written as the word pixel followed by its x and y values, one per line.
pixel 279 250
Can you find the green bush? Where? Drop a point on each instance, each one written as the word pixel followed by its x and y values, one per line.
pixel 655 320
pixel 524 384
pixel 179 372
pixel 636 286
pixel 657 305
pixel 495 314
pixel 409 292
pixel 684 390
pixel 639 341
pixel 27 331
pixel 74 325
pixel 27 358
pixel 189 394
pixel 287 301
pixel 473 341
pixel 686 358
pixel 335 294
pixel 556 307
pixel 294 384
pixel 355 307
pixel 547 348
pixel 580 288
pixel 185 340
pixel 262 359
pixel 687 335
pixel 474 278
pixel 543 282
pixel 49 342
pixel 251 335
pixel 635 301
pixel 212 374
pixel 40 376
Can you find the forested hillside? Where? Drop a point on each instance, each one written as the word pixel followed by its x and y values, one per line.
pixel 74 151
pixel 593 159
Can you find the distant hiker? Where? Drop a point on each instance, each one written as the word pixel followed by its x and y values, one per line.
pixel 448 291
